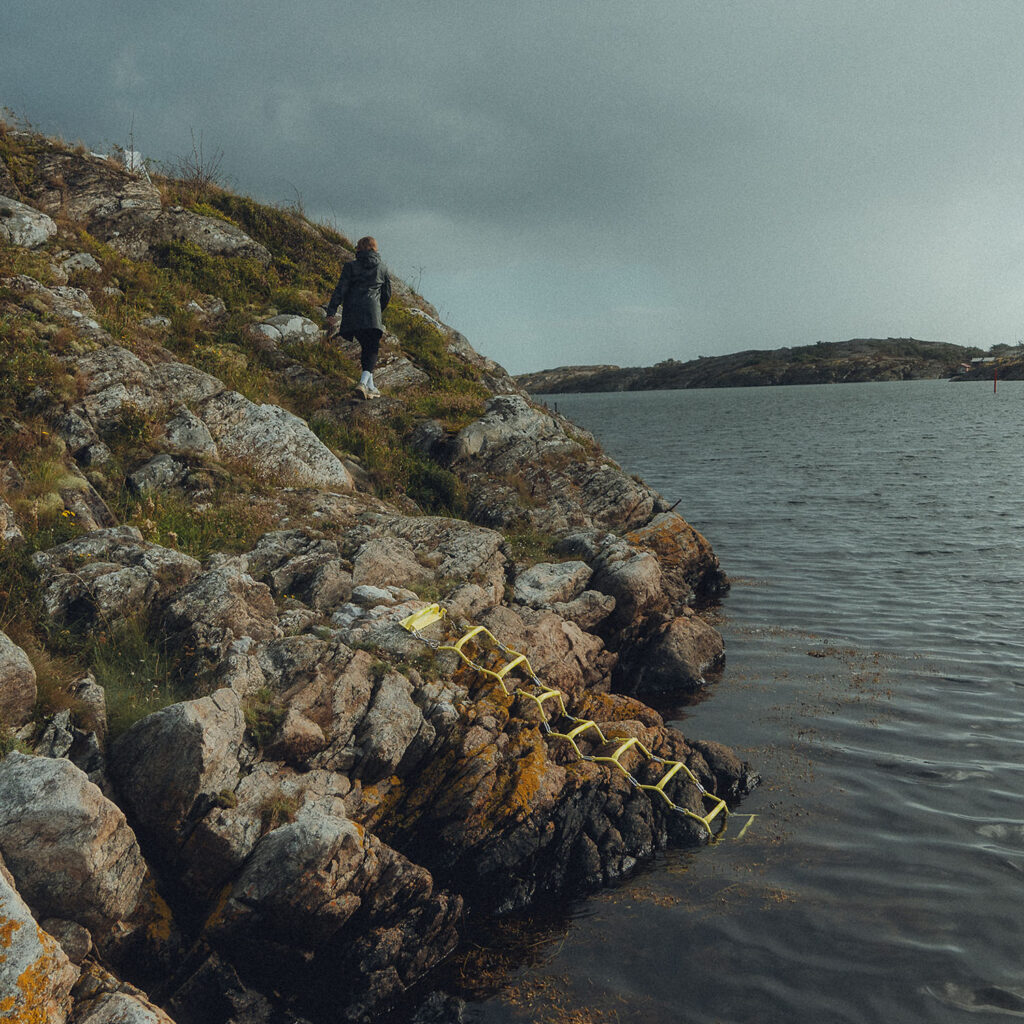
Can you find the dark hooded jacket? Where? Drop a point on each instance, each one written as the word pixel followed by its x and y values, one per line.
pixel 363 292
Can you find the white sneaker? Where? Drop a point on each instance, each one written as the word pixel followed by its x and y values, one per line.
pixel 372 392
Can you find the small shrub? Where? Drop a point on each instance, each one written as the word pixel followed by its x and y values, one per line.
pixel 226 799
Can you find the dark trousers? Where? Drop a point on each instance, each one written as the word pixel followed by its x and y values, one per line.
pixel 369 345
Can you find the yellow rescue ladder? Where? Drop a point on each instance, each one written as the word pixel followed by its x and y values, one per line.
pixel 580 728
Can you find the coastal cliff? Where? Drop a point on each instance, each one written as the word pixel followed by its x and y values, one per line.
pixel 842 362
pixel 232 786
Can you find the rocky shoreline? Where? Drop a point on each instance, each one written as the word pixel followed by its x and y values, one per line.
pixel 233 787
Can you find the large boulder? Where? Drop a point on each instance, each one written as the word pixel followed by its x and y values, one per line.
pixel 126 210
pixel 17 683
pixel 547 583
pixel 110 575
pixel 452 550
pixel 69 848
pixel 170 767
pixel 218 607
pixel 274 442
pixel 36 976
pixel 24 225
pixel 634 579
pixel 286 915
pixel 676 657
pixel 689 566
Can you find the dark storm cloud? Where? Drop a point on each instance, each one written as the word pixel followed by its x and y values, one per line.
pixel 595 181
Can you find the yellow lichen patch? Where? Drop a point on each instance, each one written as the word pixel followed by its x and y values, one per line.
pixel 217 915
pixel 159 930
pixel 8 926
pixel 34 985
pixel 526 782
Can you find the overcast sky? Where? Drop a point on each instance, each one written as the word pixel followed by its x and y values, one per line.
pixel 589 181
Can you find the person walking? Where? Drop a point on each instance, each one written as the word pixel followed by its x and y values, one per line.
pixel 363 292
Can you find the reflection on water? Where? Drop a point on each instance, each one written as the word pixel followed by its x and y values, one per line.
pixel 873 676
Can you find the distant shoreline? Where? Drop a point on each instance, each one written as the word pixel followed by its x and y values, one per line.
pixel 848 362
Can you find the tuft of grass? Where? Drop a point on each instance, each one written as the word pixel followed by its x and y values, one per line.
pixel 263 714
pixel 278 810
pixel 10 742
pixel 528 545
pixel 138 675
pixel 231 520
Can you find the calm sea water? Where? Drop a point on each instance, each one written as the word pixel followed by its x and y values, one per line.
pixel 875 675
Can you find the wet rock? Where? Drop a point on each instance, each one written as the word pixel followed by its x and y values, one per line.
pixel 676 657
pixel 92 872
pixel 17 683
pixel 36 976
pixel 440 1008
pixel 23 225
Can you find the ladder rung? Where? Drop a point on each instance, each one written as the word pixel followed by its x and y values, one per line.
pixel 423 618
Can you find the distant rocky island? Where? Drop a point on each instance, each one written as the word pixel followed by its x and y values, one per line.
pixel 841 362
